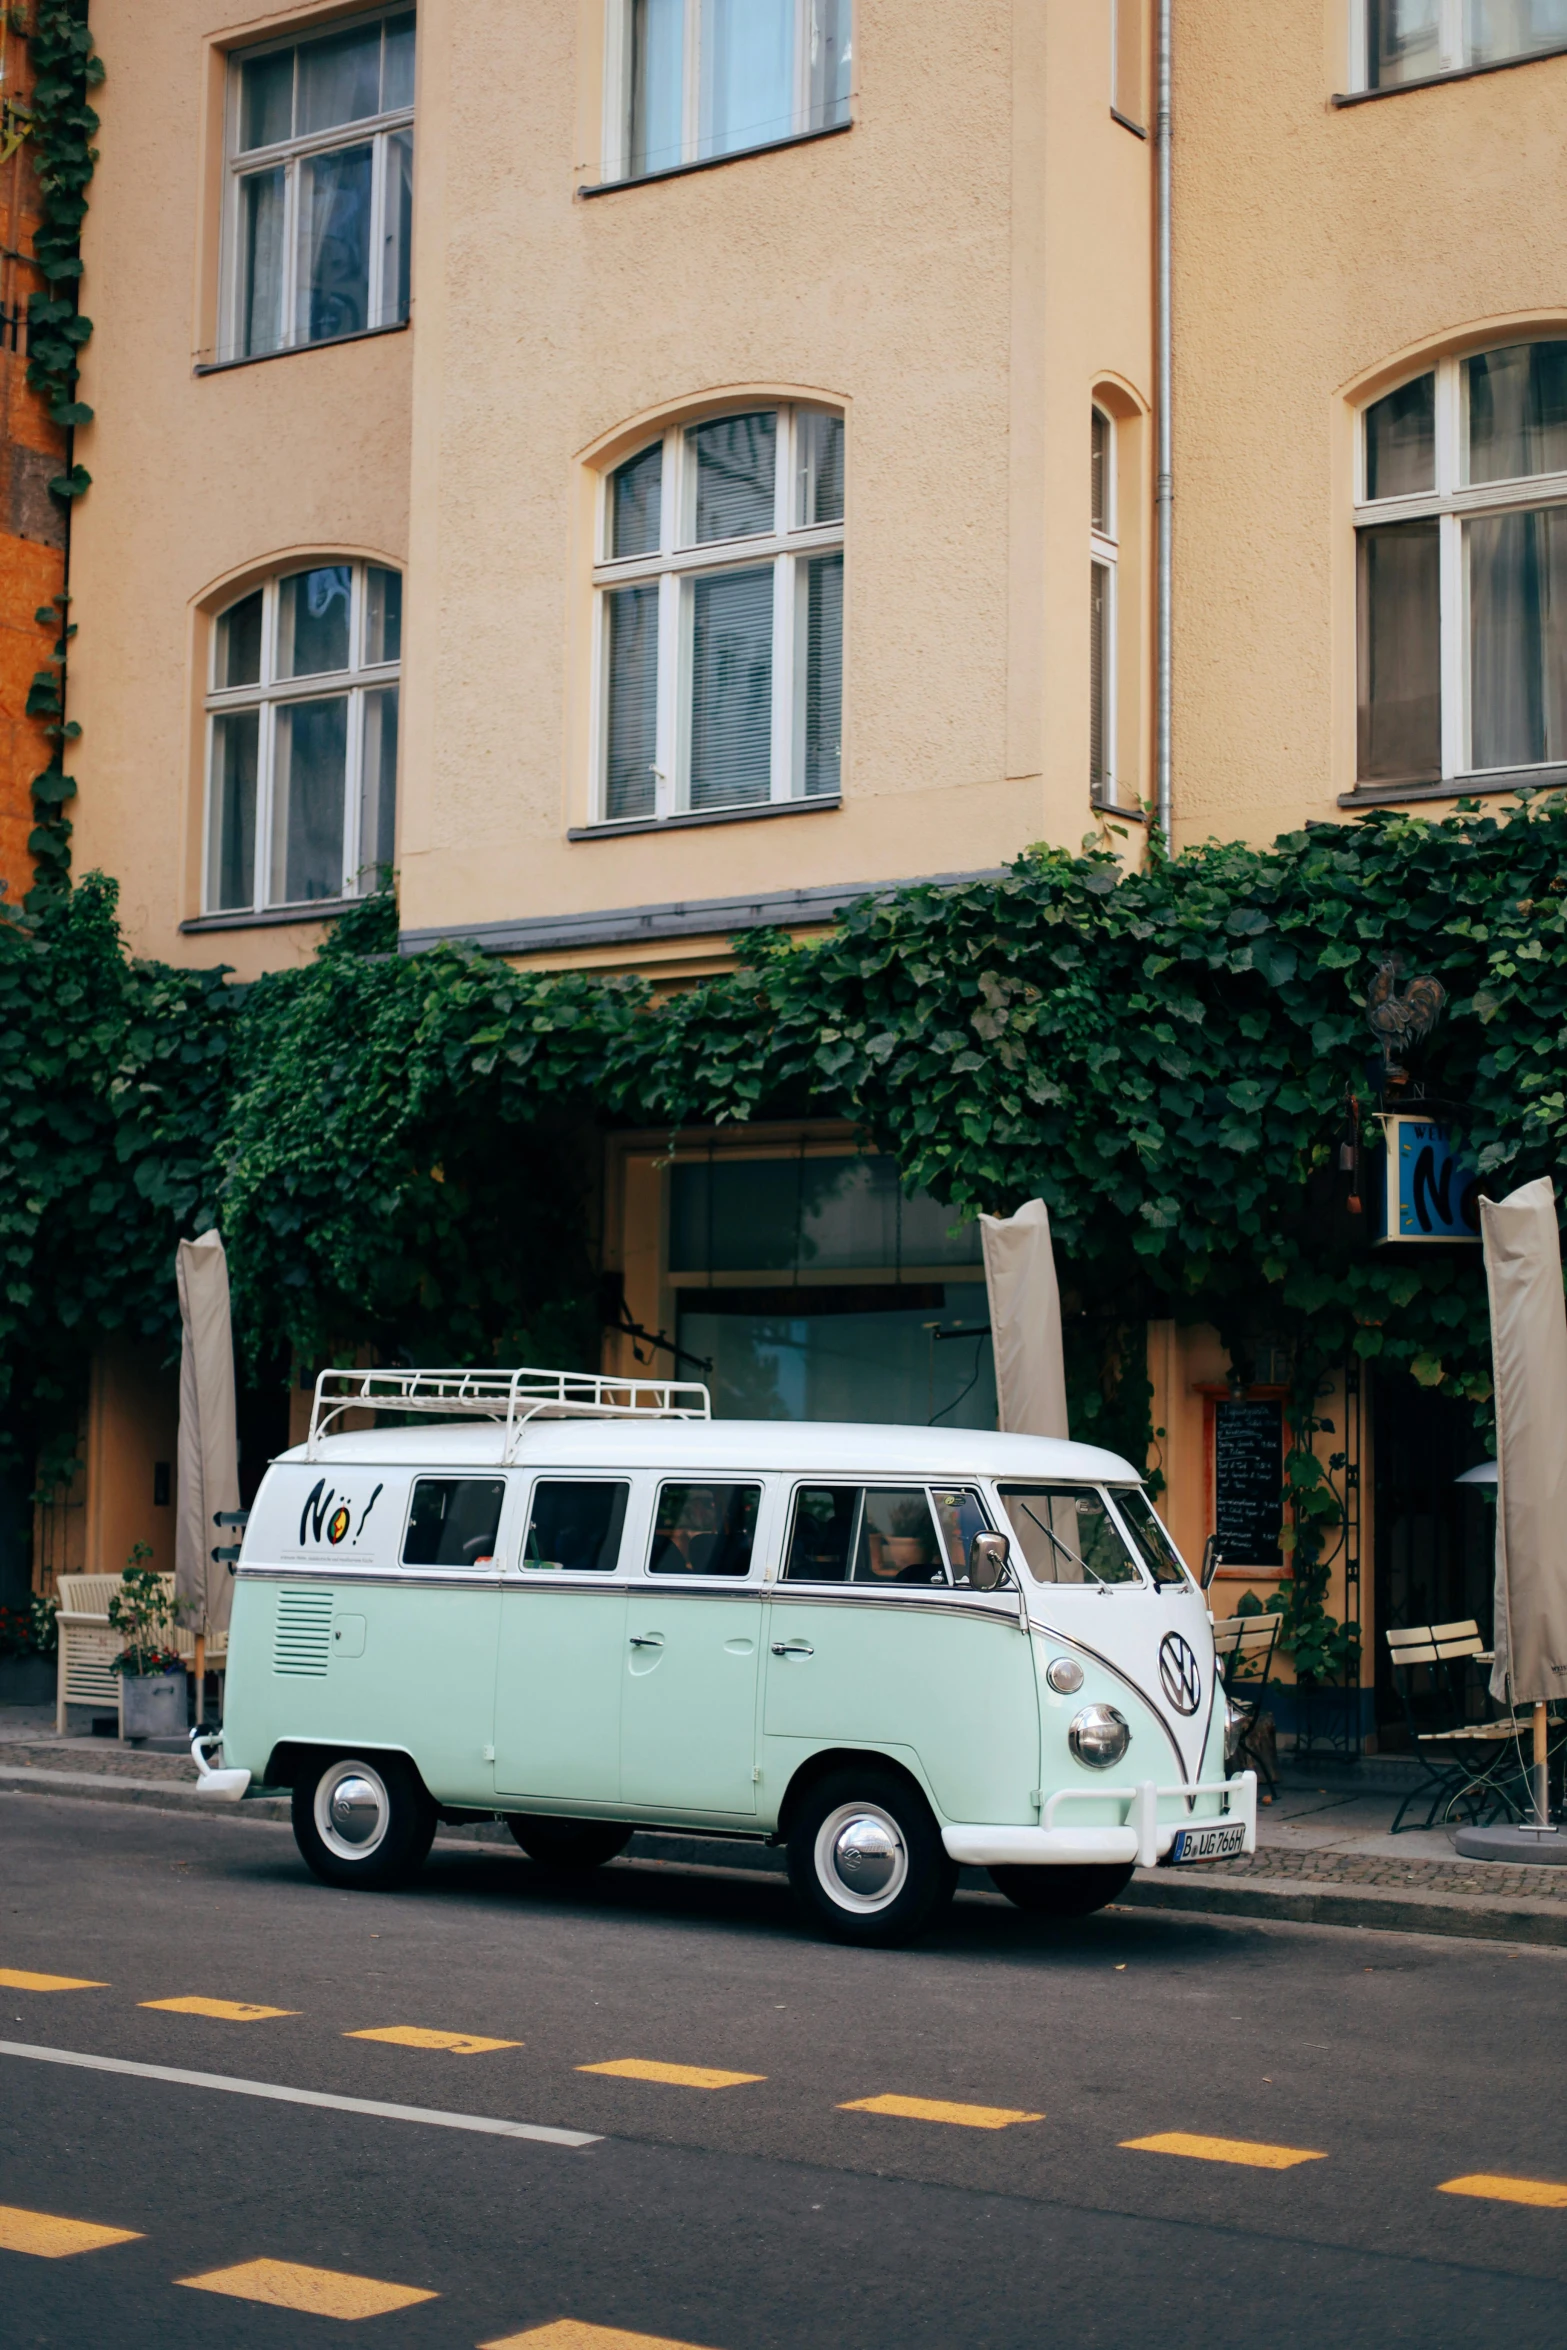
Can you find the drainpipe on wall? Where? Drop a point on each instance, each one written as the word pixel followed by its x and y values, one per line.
pixel 1164 494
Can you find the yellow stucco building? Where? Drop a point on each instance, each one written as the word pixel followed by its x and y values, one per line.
pixel 650 468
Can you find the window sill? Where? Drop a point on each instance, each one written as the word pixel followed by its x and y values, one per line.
pixel 1456 787
pixel 683 823
pixel 364 334
pixel 1104 807
pixel 1457 73
pixel 1137 129
pixel 680 171
pixel 273 917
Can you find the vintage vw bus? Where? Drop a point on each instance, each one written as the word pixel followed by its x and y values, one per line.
pixel 585 1606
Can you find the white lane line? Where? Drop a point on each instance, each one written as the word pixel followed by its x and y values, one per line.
pixel 482 2122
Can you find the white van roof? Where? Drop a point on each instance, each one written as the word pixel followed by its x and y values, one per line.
pixel 796 1447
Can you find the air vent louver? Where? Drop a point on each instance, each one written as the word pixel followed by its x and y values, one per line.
pixel 302 1642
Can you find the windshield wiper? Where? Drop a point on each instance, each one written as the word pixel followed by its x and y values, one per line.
pixel 1051 1536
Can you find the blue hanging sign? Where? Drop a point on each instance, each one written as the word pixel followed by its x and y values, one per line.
pixel 1430 1190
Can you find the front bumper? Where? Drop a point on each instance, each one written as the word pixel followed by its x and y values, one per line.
pixel 1137 1834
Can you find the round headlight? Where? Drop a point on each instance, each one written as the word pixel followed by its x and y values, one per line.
pixel 1099 1736
pixel 1065 1675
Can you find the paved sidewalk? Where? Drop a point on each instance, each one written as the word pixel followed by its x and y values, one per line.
pixel 1324 1854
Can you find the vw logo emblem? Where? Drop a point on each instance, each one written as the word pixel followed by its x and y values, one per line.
pixel 1178 1670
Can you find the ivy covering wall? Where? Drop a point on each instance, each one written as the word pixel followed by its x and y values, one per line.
pixel 400 1150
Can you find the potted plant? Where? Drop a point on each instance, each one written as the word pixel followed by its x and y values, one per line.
pixel 27 1650
pixel 152 1677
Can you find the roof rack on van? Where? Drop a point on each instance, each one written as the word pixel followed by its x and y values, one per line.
pixel 510 1397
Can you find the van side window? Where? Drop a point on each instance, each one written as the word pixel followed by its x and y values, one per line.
pixel 960 1517
pixel 575 1527
pixel 453 1521
pixel 821 1540
pixel 704 1529
pixel 1068 1535
pixel 898 1540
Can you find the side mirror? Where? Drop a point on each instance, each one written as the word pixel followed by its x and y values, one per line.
pixel 988 1556
pixel 1212 1560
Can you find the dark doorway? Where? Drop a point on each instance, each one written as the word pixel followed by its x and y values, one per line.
pixel 1434 1537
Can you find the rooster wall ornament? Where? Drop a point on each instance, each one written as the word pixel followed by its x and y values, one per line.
pixel 1401 1011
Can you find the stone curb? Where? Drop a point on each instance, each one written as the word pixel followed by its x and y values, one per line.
pixel 1471 1917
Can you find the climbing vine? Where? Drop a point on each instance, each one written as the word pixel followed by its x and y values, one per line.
pixel 60 124
pixel 401 1149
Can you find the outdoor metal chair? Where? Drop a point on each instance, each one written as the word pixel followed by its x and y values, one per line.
pixel 1243 1649
pixel 1464 1763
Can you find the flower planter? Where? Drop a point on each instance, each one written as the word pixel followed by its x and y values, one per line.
pixel 27 1680
pixel 153 1705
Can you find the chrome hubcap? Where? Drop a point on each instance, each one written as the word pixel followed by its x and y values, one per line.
pixel 353 1810
pixel 861 1861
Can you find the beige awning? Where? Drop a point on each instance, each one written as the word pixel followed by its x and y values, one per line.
pixel 1025 1321
pixel 208 1446
pixel 1523 1270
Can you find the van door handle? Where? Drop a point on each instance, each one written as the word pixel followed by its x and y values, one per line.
pixel 647 1639
pixel 793 1648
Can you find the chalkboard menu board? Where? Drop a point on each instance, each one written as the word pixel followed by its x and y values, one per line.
pixel 1248 1444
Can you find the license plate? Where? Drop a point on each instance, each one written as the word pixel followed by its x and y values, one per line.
pixel 1220 1843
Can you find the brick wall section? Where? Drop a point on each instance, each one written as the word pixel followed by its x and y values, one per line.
pixel 32 524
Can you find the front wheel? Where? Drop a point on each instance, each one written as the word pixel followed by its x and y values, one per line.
pixel 867 1860
pixel 568 1844
pixel 358 1822
pixel 1072 1892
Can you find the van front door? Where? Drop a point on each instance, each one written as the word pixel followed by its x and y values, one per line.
pixel 563 1630
pixel 885 1652
pixel 693 1634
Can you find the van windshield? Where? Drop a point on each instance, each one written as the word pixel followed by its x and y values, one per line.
pixel 1157 1551
pixel 1068 1534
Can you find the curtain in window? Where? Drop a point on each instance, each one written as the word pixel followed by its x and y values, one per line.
pixel 1511 28
pixel 334 244
pixel 1400 703
pixel 1518 638
pixel 309 772
pixel 830 63
pixel 231 851
pixel 397 231
pixel 1517 411
pixel 1403 41
pixel 748 85
pixel 731 687
pixel 261 262
pixel 631 787
pixel 1401 441
pixel 657 84
pixel 823 674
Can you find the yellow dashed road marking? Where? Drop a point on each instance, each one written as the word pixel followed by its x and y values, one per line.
pixel 935 2109
pixel 318 2292
pixel 49 2238
pixel 680 2076
pixel 1242 2150
pixel 1550 2194
pixel 567 2334
pixel 14 1978
pixel 227 2011
pixel 415 2036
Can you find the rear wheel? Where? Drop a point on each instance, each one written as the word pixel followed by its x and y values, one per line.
pixel 1063 1892
pixel 867 1860
pixel 568 1844
pixel 358 1822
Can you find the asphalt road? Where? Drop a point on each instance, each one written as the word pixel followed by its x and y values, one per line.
pixel 758 2215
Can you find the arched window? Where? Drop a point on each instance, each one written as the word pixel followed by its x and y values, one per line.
pixel 1462 570
pixel 720 591
pixel 302 738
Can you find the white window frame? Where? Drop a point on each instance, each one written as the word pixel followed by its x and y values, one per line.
pixel 372 129
pixel 1105 556
pixel 1453 501
pixel 617 91
pixel 674 567
pixel 360 678
pixel 1451 50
